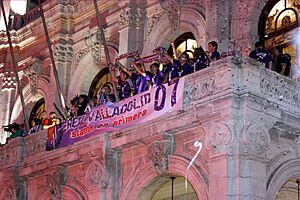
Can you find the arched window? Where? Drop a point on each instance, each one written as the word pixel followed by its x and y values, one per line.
pixel 278 28
pixel 184 43
pixel 103 77
pixel 38 111
pixel 290 190
pixel 168 188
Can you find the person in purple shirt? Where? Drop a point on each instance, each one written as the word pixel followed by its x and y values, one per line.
pixel 157 76
pixel 174 72
pixel 261 54
pixel 123 83
pixel 213 51
pixel 141 78
pixel 201 60
pixel 184 67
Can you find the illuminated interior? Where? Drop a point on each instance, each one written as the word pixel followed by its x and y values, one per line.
pixel 281 30
pixel 101 78
pixel 284 13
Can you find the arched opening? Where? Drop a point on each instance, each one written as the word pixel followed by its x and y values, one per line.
pixel 186 42
pixel 101 79
pixel 38 111
pixel 168 187
pixel 278 28
pixel 290 190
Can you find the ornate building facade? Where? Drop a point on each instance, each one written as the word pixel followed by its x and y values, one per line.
pixel 246 117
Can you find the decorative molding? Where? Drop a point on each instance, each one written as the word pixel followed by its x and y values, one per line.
pixel 141 17
pixel 7 194
pixel 256 139
pixel 80 55
pixel 92 37
pixel 158 153
pixel 8 80
pixel 96 53
pixel 32 74
pixel 202 89
pixel 173 13
pixel 94 174
pixel 92 42
pixel 153 20
pixel 35 144
pixel 55 182
pixel 279 90
pixel 62 52
pixel 128 18
pixel 218 137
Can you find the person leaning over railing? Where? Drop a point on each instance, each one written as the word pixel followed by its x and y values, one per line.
pixel 51 121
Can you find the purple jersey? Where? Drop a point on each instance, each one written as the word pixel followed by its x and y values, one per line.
pixel 261 55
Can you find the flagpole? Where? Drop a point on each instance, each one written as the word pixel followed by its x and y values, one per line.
pixel 108 61
pixel 15 66
pixel 61 98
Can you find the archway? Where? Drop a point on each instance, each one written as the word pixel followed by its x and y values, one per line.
pixel 290 190
pixel 38 111
pixel 186 42
pixel 168 187
pixel 146 181
pixel 191 20
pixel 102 78
pixel 282 177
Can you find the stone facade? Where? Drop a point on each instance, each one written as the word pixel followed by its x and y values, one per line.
pixel 245 116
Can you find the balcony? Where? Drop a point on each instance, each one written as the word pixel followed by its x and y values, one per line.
pixel 241 113
pixel 228 90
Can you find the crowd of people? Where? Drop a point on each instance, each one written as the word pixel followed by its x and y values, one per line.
pixel 136 79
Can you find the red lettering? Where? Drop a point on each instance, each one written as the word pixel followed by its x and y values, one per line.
pixel 115 123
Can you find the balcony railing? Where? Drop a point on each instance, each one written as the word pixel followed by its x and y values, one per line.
pixel 20 21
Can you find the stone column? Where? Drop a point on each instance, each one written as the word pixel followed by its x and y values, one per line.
pixel 246 167
pixel 8 91
pixel 63 56
pixel 131 27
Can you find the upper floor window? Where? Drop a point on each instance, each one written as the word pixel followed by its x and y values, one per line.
pixel 184 43
pixel 283 15
pixel 278 28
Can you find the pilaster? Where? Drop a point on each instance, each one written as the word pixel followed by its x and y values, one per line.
pixel 131 26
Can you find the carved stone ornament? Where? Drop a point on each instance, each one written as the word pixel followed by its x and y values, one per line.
pixel 141 17
pixel 32 74
pixel 279 90
pixel 63 51
pixel 158 153
pixel 218 137
pixel 202 89
pixel 173 13
pixel 4 157
pixel 153 20
pixel 256 139
pixel 55 182
pixel 34 144
pixel 92 42
pixel 7 194
pixel 128 18
pixel 94 174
